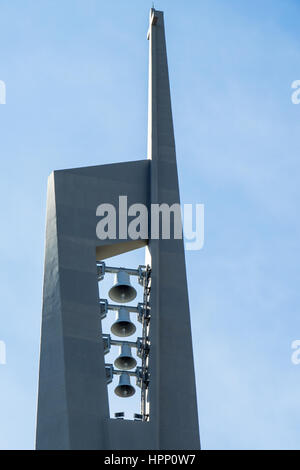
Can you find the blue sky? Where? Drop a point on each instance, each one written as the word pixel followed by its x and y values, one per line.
pixel 76 77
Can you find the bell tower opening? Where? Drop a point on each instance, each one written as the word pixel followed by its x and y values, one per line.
pixel 124 290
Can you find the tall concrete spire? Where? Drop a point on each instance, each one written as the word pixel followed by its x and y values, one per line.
pixel 73 410
pixel 173 392
pixel 161 142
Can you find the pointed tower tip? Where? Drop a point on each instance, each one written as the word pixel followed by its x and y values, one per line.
pixel 153 16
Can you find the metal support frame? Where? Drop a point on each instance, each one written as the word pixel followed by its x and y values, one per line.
pixel 141 347
pixel 102 269
pixel 108 342
pixel 141 310
pixel 141 344
pixel 145 345
pixel 142 376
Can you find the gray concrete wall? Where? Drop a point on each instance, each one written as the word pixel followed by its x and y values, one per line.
pixel 73 402
pixel 172 389
pixel 73 408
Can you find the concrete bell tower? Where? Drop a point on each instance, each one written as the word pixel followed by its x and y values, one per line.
pixel 73 410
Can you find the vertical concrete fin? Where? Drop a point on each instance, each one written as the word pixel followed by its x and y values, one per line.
pixel 161 141
pixel 173 402
pixel 52 417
